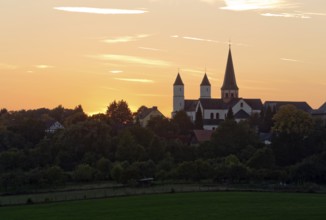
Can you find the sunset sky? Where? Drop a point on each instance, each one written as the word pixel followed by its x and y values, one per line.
pixel 87 52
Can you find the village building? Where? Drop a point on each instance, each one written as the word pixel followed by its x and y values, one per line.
pixel 214 110
pixel 145 114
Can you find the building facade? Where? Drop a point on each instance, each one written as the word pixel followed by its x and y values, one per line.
pixel 214 110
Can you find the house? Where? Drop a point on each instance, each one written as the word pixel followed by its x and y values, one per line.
pixel 320 113
pixel 200 136
pixel 275 105
pixel 53 126
pixel 145 114
pixel 214 110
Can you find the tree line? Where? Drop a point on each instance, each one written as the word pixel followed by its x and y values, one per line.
pixel 113 147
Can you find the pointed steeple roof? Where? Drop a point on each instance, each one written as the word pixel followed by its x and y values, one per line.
pixel 205 81
pixel 178 81
pixel 230 82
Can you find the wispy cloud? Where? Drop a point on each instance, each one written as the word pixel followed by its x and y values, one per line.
pixel 200 39
pixel 152 95
pixel 150 49
pixel 42 66
pixel 207 40
pixel 286 15
pixel 194 38
pixel 314 13
pixel 125 39
pixel 135 80
pixel 131 59
pixel 210 1
pixel 245 5
pixel 103 11
pixel 201 72
pixel 290 60
pixel 116 71
pixel 7 66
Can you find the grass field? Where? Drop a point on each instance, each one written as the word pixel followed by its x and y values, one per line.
pixel 211 205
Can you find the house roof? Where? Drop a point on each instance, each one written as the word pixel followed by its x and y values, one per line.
pixel 322 108
pixel 255 104
pixel 203 135
pixel 205 81
pixel 320 111
pixel 146 111
pixel 190 105
pixel 178 81
pixel 299 105
pixel 229 77
pixel 241 115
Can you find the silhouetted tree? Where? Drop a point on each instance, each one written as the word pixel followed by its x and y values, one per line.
pixel 199 119
pixel 119 113
pixel 182 122
pixel 230 115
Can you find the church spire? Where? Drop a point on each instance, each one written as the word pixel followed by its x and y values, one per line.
pixel 205 88
pixel 178 81
pixel 229 88
pixel 205 81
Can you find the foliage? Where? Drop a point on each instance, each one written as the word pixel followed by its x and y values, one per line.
pixel 109 147
pixel 182 122
pixel 119 113
pixel 291 121
pixel 199 119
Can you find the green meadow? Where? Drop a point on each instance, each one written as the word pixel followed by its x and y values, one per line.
pixel 210 205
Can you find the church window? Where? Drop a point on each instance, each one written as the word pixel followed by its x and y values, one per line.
pixel 212 115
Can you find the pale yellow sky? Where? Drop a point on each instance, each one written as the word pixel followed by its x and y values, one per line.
pixel 93 52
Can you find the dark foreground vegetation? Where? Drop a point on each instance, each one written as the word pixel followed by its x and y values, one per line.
pixel 220 205
pixel 114 147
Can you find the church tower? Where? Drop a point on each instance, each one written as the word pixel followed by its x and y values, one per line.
pixel 205 88
pixel 178 95
pixel 229 89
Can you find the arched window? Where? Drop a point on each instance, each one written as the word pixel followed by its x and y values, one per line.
pixel 217 115
pixel 212 115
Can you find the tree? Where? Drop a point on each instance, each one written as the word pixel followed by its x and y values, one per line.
pixel 182 122
pixel 267 119
pixel 199 119
pixel 292 121
pixel 231 137
pixel 84 172
pixel 119 113
pixel 128 149
pixel 161 126
pixel 230 115
pixel 291 130
pixel 262 159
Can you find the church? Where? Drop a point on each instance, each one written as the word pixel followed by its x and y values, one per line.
pixel 214 110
